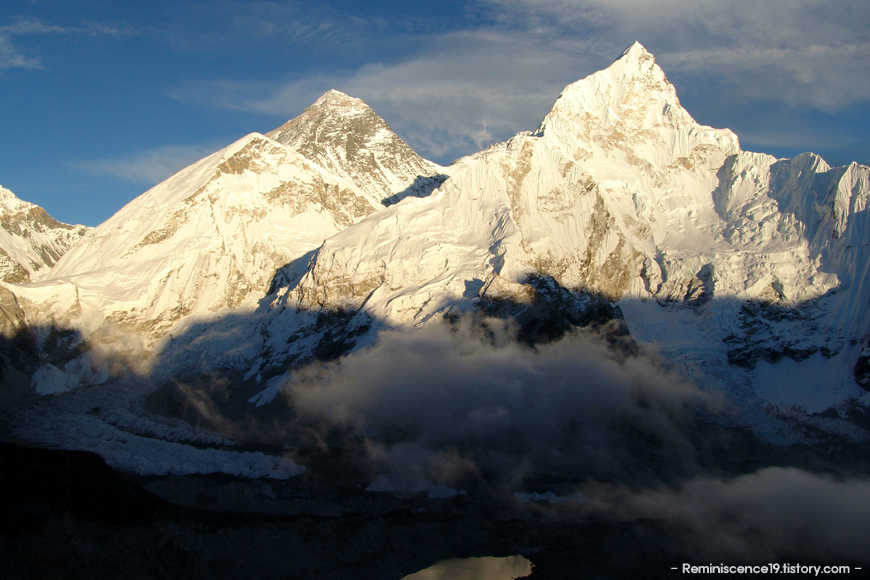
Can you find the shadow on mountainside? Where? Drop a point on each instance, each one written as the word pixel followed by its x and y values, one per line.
pixel 768 330
pixel 243 377
pixel 595 414
pixel 210 374
pixel 423 186
pixel 68 515
pixel 213 375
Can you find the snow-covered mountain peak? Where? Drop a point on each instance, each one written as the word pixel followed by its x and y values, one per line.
pixel 344 135
pixel 637 60
pixel 334 99
pixel 715 256
pixel 9 202
pixel 335 123
pixel 635 71
pixel 636 52
pixel 31 241
pixel 208 239
pixel 617 168
pixel 631 107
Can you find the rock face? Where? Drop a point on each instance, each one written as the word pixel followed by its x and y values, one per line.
pixel 31 241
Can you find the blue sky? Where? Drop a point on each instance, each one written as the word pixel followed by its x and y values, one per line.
pixel 100 100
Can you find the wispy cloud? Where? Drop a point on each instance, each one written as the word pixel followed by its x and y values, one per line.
pixel 463 90
pixel 484 80
pixel 147 167
pixel 199 26
pixel 13 56
pixel 778 50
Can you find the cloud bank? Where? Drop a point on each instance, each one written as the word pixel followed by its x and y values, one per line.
pixel 787 512
pixel 570 431
pixel 444 404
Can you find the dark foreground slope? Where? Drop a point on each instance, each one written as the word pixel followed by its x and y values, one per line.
pixel 65 514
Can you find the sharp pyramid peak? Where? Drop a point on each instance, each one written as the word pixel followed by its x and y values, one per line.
pixel 334 98
pixel 637 61
pixel 332 106
pixel 635 52
pixel 632 97
pixel 347 137
pixel 334 94
pixel 636 66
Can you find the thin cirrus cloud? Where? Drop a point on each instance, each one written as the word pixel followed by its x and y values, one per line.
pixel 147 167
pixel 13 56
pixel 778 50
pixel 253 26
pixel 466 90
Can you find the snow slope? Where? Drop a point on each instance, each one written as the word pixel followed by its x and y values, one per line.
pixel 211 238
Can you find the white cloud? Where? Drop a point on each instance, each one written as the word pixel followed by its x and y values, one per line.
pixel 148 167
